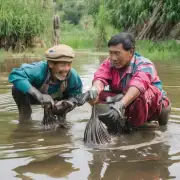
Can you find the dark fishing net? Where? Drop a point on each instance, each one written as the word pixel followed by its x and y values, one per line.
pixel 95 132
pixel 56 114
pixel 49 117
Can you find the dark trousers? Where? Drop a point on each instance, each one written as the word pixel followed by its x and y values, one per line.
pixel 23 102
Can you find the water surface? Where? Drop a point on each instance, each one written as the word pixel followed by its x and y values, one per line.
pixel 29 152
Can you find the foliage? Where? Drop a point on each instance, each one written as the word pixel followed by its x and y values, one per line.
pixel 77 36
pixel 22 20
pixel 161 50
pixel 71 11
pixel 101 23
pixel 134 15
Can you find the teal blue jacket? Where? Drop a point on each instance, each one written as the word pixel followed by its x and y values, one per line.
pixel 34 74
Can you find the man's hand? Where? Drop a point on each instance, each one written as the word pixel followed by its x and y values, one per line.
pixel 116 114
pixel 80 99
pixel 119 107
pixel 46 99
pixel 98 86
pixel 93 96
pixel 116 104
pixel 114 99
pixel 95 90
pixel 42 98
pixel 63 107
pixel 93 101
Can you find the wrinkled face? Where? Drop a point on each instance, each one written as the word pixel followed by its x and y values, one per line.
pixel 60 69
pixel 120 57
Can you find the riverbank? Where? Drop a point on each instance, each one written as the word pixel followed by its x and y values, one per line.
pixel 156 51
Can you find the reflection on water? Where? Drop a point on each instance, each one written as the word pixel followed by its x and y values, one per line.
pixel 54 167
pixel 27 151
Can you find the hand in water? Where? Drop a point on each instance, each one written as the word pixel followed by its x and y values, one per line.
pixel 42 98
pixel 63 107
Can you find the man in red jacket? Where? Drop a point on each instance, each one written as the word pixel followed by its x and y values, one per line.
pixel 136 95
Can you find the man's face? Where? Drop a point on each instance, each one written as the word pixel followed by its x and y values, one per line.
pixel 60 69
pixel 120 57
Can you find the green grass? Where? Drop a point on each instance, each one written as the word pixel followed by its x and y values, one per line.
pixel 76 36
pixel 168 50
pixel 24 20
pixel 77 40
pixel 85 40
pixel 164 51
pixel 80 38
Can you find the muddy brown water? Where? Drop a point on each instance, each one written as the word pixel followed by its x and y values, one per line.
pixel 27 151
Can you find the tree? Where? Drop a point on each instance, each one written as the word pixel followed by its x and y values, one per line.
pixel 72 10
pixel 147 19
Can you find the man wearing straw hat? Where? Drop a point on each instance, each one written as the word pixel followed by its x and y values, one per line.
pixel 45 81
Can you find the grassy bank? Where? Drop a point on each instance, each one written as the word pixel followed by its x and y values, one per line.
pixel 82 39
pixel 163 51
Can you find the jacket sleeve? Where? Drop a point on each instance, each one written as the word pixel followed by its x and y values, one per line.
pixel 74 84
pixel 103 73
pixel 144 76
pixel 23 77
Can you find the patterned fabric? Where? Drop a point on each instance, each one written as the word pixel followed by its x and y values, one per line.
pixel 140 73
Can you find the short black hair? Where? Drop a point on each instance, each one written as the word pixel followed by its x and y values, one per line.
pixel 124 38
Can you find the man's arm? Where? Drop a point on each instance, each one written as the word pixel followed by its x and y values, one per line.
pixel 98 85
pixel 139 83
pixel 102 75
pixel 23 77
pixel 131 94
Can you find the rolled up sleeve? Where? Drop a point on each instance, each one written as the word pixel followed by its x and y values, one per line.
pixel 103 73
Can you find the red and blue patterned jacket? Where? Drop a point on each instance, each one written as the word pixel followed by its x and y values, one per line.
pixel 140 73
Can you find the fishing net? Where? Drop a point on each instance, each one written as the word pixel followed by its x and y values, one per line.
pixel 95 131
pixel 49 118
pixel 56 114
